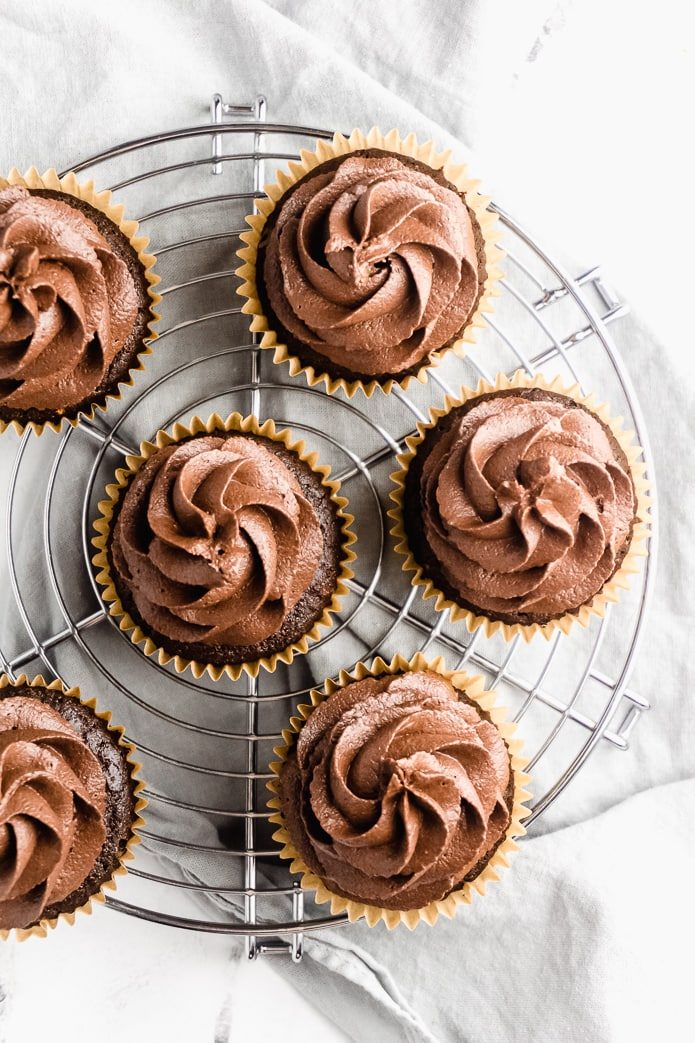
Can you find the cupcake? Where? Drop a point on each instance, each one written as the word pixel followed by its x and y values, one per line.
pixel 76 297
pixel 224 547
pixel 399 791
pixel 369 262
pixel 521 506
pixel 69 804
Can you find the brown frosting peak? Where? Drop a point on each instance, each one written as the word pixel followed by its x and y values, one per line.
pixel 215 541
pixel 527 506
pixel 67 302
pixel 396 790
pixel 372 264
pixel 52 801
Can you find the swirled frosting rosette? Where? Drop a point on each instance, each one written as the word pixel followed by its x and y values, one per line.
pixel 77 301
pixel 399 791
pixel 521 506
pixel 70 805
pixel 366 262
pixel 224 547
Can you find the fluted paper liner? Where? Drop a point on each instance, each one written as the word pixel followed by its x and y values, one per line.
pixel 609 592
pixel 41 929
pixel 473 686
pixel 103 201
pixel 426 153
pixel 235 422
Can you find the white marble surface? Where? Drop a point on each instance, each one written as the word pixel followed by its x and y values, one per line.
pixel 113 978
pixel 593 127
pixel 136 970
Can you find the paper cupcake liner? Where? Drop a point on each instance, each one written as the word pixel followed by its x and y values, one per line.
pixel 474 688
pixel 245 425
pixel 609 592
pixel 41 929
pixel 103 201
pixel 426 153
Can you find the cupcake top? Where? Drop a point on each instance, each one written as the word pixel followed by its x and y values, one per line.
pixel 372 262
pixel 527 504
pixel 68 302
pixel 215 541
pixel 65 804
pixel 398 789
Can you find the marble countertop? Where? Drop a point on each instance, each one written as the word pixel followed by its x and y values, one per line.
pixel 112 977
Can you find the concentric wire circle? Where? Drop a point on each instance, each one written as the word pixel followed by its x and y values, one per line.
pixel 208 861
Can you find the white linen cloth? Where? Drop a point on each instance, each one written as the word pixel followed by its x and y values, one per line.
pixel 581 941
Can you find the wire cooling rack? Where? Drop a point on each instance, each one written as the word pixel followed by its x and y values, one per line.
pixel 208 861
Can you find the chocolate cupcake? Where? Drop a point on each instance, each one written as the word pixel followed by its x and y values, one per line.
pixel 224 547
pixel 76 298
pixel 68 806
pixel 519 505
pixel 398 789
pixel 369 263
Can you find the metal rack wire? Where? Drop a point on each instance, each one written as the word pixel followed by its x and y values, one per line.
pixel 208 861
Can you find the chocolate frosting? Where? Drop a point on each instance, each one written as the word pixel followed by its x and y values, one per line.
pixel 52 802
pixel 527 506
pixel 397 790
pixel 372 264
pixel 215 541
pixel 67 302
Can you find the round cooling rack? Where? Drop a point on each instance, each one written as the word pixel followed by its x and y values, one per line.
pixel 208 861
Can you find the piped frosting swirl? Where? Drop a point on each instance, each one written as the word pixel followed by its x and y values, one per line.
pixel 215 541
pixel 52 802
pixel 397 790
pixel 373 264
pixel 67 303
pixel 526 505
